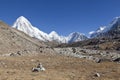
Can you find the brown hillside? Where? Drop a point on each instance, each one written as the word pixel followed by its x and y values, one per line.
pixel 12 41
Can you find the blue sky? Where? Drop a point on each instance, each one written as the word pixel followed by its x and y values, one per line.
pixel 62 16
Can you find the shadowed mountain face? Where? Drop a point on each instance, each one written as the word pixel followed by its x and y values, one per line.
pixel 112 30
pixel 12 41
pixel 97 44
pixel 115 29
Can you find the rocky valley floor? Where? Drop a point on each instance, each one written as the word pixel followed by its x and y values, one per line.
pixel 58 67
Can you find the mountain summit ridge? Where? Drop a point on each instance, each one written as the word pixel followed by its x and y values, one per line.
pixel 112 30
pixel 23 24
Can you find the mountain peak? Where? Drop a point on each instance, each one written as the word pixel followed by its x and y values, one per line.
pixel 108 31
pixel 24 25
pixel 53 33
pixel 21 22
pixel 76 33
pixel 76 36
pixel 21 17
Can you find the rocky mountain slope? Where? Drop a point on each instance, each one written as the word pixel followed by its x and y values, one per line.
pixel 24 25
pixel 96 44
pixel 13 41
pixel 112 30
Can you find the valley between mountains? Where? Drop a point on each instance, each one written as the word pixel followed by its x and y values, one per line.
pixel 75 57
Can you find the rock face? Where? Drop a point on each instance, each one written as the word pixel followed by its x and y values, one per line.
pixel 16 42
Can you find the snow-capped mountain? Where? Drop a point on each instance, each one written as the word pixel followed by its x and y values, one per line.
pixel 55 37
pixel 112 30
pixel 24 25
pixel 76 36
pixel 97 32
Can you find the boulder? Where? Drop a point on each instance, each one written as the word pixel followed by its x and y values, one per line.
pixel 116 59
pixel 38 68
pixel 97 75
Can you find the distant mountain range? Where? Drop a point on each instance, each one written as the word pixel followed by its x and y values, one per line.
pixel 112 30
pixel 24 25
pixel 104 38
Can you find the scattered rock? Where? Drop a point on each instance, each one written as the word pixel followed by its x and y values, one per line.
pixel 73 50
pixel 118 48
pixel 94 55
pixel 83 51
pixel 97 75
pixel 90 57
pixel 12 54
pixel 19 53
pixel 41 51
pixel 32 60
pixel 116 59
pixel 97 60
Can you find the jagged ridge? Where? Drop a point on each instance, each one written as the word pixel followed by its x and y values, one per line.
pixel 112 30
